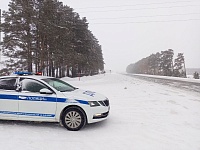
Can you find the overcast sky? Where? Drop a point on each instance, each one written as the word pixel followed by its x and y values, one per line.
pixel 129 30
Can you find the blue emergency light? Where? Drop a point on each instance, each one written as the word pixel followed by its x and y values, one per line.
pixel 23 73
pixel 27 73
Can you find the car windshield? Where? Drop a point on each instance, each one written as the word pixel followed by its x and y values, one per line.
pixel 59 84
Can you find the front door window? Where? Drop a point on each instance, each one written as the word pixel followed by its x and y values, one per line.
pixel 32 103
pixel 31 85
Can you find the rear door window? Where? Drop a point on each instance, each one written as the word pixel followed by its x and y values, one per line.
pixel 8 84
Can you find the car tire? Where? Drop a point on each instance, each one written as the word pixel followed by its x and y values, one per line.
pixel 73 119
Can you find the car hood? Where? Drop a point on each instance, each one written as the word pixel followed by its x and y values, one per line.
pixel 84 95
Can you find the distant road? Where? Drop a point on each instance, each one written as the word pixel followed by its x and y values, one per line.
pixel 170 81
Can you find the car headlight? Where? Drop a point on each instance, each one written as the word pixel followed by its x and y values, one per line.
pixel 94 103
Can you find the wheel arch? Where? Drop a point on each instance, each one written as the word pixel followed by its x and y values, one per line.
pixel 73 106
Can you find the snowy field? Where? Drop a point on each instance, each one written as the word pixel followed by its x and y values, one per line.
pixel 144 116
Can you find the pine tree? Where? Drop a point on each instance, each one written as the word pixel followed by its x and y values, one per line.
pixel 154 63
pixel 47 36
pixel 179 66
pixel 17 42
pixel 167 62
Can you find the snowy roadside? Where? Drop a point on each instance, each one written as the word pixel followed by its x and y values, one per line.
pixel 143 116
pixel 189 80
pixel 184 83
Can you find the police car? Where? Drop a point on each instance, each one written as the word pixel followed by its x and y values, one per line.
pixel 41 98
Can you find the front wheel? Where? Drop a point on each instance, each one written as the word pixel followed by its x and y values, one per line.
pixel 73 119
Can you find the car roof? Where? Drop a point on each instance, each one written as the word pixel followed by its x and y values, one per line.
pixel 28 76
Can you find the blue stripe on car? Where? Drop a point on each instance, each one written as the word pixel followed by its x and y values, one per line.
pixel 82 102
pixel 13 97
pixel 31 98
pixel 38 98
pixel 41 98
pixel 27 114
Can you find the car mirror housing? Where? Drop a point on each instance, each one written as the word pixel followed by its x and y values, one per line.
pixel 45 91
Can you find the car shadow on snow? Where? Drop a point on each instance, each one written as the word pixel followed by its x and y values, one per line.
pixel 95 126
pixel 51 125
pixel 28 123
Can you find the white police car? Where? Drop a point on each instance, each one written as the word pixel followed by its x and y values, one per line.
pixel 42 98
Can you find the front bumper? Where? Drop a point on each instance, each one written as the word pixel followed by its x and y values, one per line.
pixel 101 115
pixel 98 114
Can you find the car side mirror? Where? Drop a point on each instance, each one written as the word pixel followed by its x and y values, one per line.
pixel 45 91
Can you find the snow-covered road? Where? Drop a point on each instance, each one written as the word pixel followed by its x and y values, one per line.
pixel 183 83
pixel 144 116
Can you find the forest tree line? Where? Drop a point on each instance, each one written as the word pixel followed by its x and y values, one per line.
pixel 47 36
pixel 161 63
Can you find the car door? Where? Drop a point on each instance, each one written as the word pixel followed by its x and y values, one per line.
pixel 32 104
pixel 8 98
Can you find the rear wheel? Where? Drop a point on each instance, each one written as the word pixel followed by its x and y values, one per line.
pixel 73 119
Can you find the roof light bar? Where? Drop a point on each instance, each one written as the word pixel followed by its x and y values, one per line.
pixel 23 73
